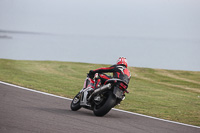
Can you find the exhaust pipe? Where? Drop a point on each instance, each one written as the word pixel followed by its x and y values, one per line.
pixel 105 87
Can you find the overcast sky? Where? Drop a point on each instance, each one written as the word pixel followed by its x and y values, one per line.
pixel 156 33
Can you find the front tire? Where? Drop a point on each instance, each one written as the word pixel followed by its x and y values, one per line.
pixel 108 104
pixel 75 104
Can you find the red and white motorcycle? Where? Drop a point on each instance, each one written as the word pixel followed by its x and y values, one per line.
pixel 102 99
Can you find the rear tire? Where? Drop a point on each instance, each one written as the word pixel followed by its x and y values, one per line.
pixel 75 104
pixel 109 103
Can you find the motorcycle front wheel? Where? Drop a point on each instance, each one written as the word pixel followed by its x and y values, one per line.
pixel 75 104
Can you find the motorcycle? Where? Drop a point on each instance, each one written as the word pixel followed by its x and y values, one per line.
pixel 100 98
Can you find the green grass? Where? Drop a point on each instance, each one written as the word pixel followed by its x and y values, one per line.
pixel 167 94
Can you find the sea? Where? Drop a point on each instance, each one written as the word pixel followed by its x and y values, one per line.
pixel 163 53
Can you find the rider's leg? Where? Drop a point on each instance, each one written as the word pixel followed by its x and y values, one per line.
pixel 104 77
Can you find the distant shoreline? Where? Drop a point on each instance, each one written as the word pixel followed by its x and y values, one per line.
pixel 5 37
pixel 21 32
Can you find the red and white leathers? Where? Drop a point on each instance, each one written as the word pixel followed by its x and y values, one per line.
pixel 119 71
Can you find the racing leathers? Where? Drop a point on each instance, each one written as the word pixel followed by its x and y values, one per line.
pixel 119 71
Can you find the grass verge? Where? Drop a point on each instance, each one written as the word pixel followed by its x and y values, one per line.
pixel 167 94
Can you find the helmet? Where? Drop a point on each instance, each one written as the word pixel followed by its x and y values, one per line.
pixel 122 61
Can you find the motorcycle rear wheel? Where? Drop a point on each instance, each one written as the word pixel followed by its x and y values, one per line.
pixel 108 104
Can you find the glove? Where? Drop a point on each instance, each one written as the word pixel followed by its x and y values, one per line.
pixel 91 74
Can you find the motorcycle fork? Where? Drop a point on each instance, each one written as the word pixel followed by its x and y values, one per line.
pixel 84 95
pixel 84 98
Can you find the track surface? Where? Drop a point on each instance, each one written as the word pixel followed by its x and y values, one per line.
pixel 23 111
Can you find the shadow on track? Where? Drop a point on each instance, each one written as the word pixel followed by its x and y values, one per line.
pixel 81 112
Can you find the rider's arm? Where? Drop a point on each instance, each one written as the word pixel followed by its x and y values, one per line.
pixel 102 70
pixel 112 68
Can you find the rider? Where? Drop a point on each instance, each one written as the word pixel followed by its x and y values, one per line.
pixel 119 70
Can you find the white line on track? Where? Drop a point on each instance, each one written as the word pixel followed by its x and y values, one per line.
pixel 1 82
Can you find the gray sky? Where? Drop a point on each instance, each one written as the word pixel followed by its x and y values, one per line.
pixel 139 18
pixel 155 33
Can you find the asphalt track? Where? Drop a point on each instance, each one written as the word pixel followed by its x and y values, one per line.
pixel 23 111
